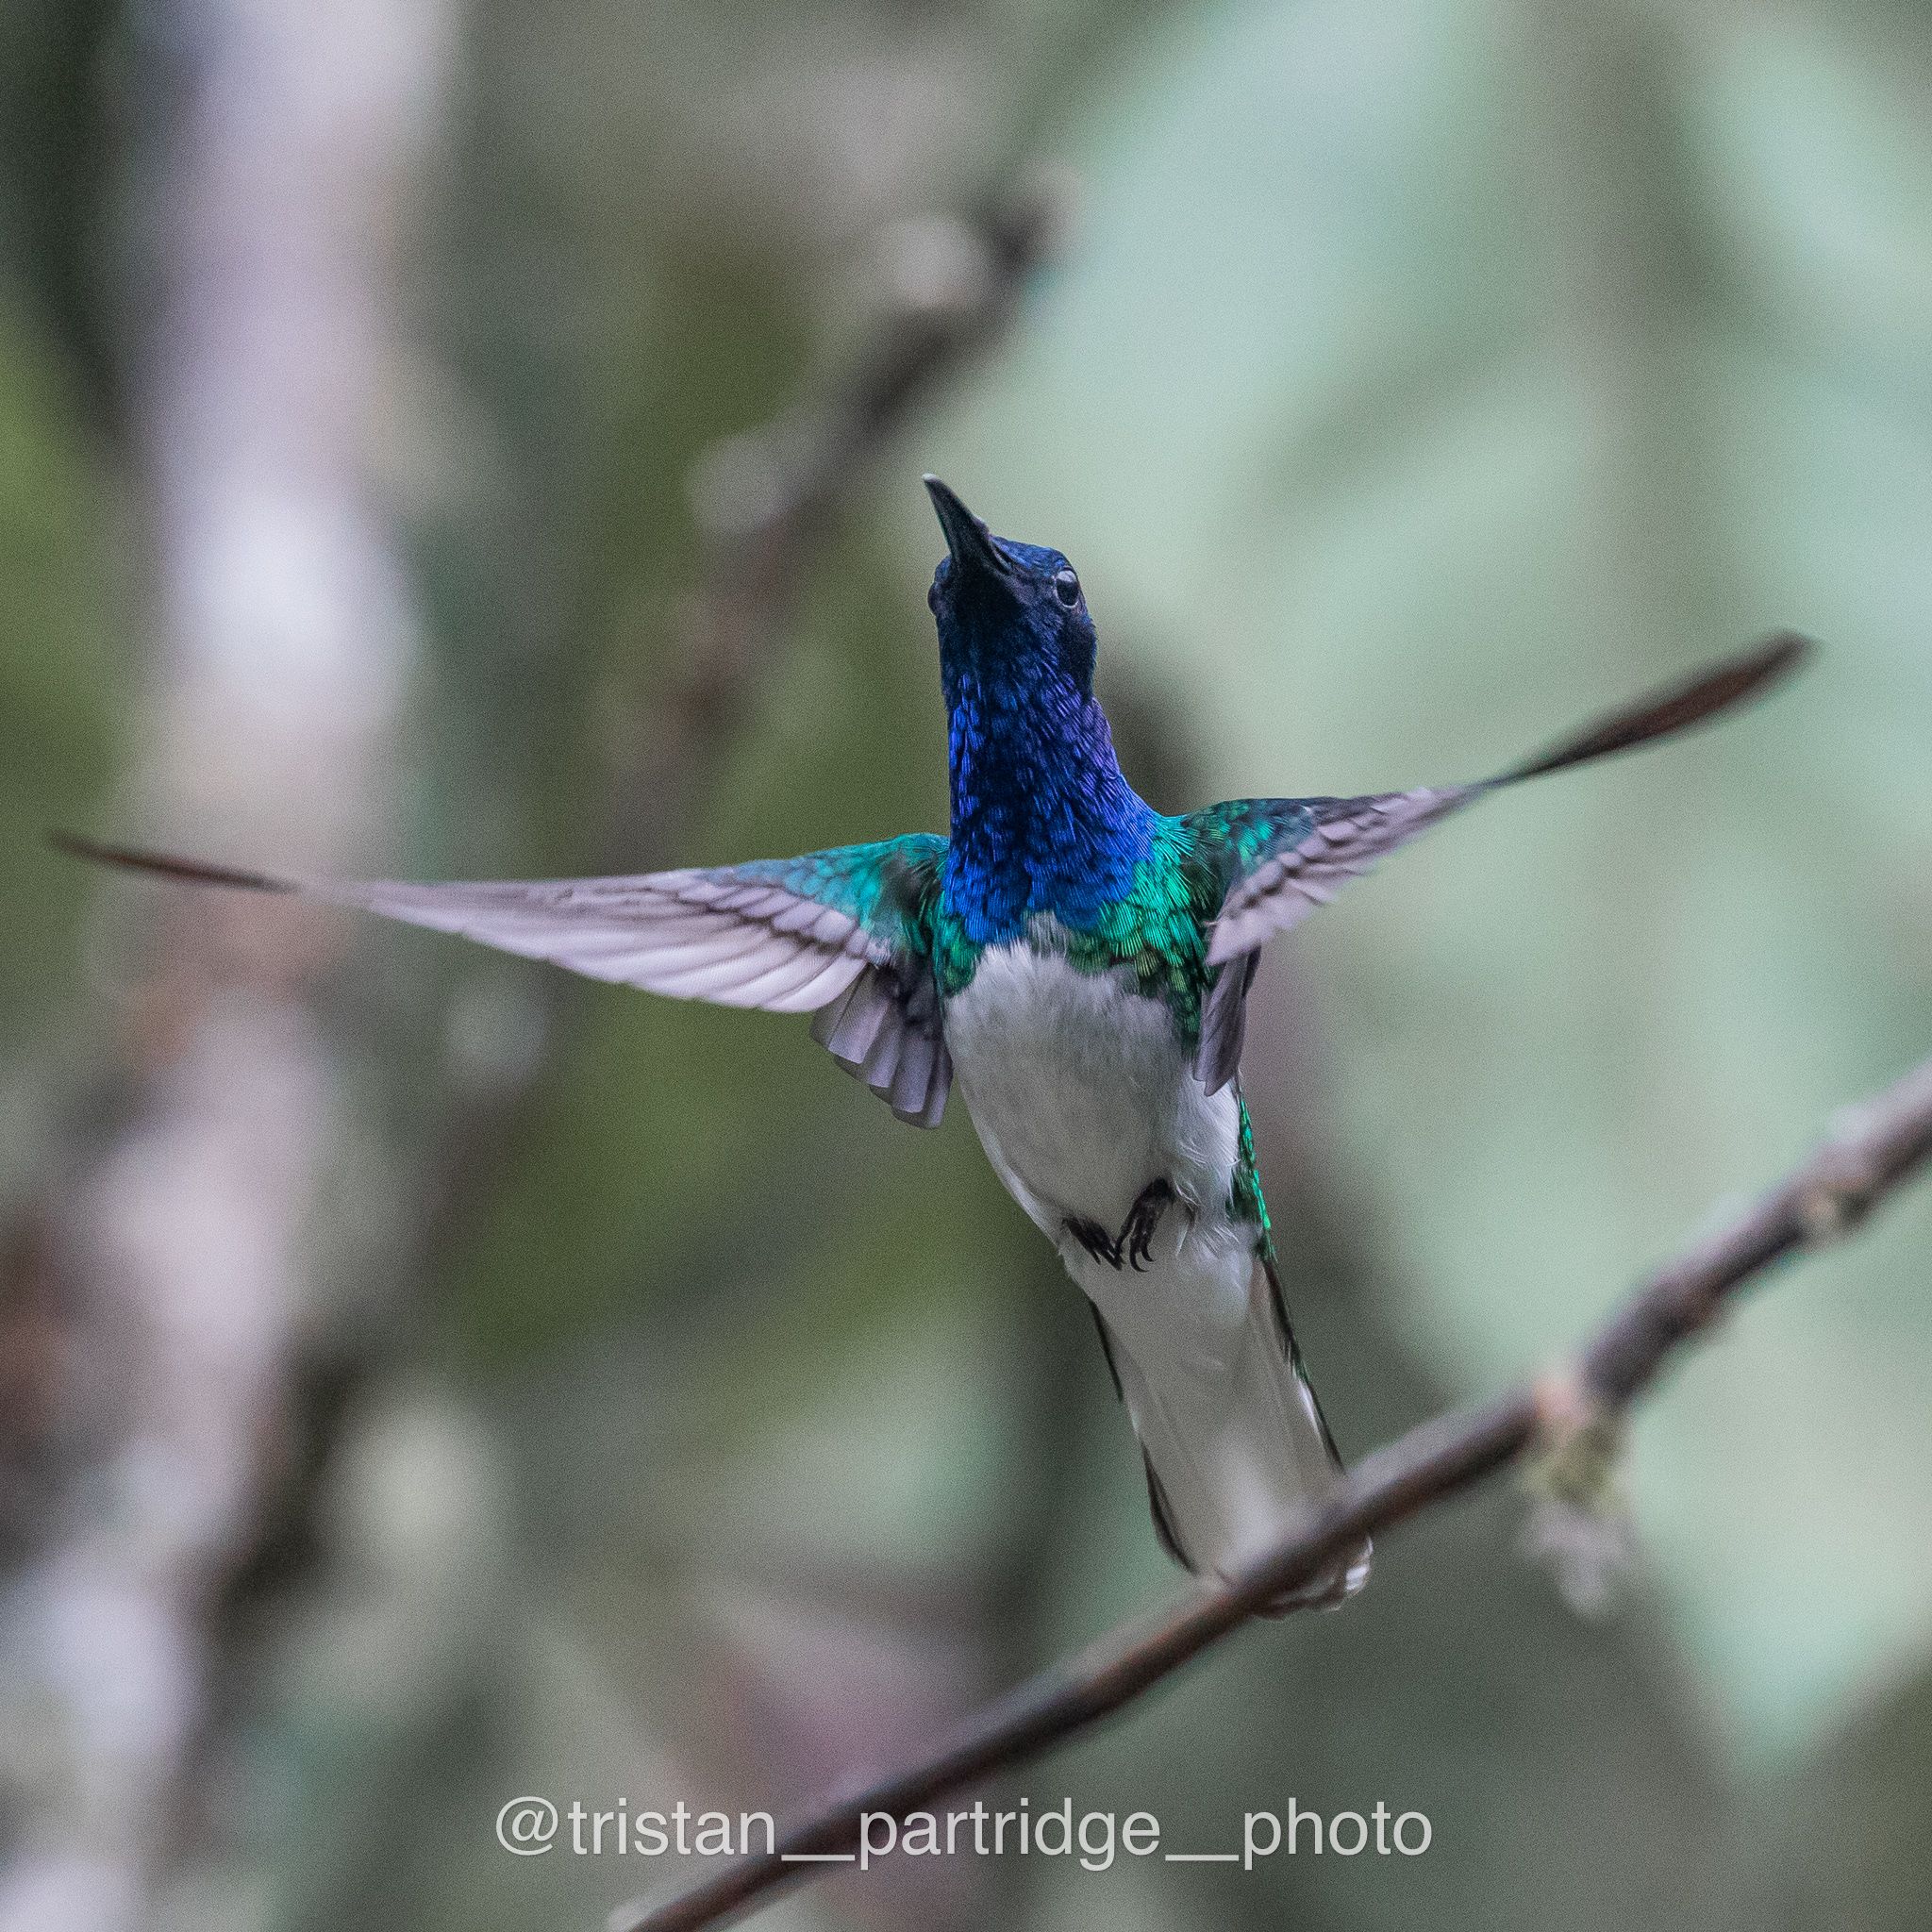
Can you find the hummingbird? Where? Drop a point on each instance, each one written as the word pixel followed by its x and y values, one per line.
pixel 1077 964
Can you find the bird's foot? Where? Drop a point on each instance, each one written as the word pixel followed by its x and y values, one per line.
pixel 1099 1245
pixel 1133 1247
pixel 1136 1238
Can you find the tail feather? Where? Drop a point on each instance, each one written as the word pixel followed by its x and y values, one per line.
pixel 1234 1441
pixel 1165 1534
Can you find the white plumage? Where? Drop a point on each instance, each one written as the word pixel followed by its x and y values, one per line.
pixel 1083 1093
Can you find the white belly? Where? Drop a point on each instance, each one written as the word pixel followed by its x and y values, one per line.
pixel 1081 1093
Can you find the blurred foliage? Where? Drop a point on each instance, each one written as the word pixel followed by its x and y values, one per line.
pixel 1420 376
pixel 61 667
pixel 57 110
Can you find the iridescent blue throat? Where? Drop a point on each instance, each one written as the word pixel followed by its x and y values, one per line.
pixel 1043 820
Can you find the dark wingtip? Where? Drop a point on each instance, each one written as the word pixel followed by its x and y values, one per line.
pixel 1785 651
pixel 1721 687
pixel 164 865
pixel 1756 669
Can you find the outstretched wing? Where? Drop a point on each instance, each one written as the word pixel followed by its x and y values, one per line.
pixel 837 932
pixel 1281 857
pixel 1309 849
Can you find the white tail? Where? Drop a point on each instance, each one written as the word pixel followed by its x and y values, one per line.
pixel 1233 1437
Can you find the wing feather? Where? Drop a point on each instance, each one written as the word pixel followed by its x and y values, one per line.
pixel 1282 858
pixel 847 1030
pixel 1284 887
pixel 837 933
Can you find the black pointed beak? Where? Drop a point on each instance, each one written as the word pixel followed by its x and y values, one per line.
pixel 969 539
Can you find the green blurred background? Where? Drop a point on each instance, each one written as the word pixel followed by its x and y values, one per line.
pixel 624 1405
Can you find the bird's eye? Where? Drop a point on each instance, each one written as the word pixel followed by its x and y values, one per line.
pixel 1066 586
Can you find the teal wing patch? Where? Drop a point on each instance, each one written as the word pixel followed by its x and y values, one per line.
pixel 886 1027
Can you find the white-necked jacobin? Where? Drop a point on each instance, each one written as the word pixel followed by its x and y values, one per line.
pixel 1079 963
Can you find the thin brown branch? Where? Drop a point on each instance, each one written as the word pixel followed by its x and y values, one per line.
pixel 1873 1149
pixel 767 502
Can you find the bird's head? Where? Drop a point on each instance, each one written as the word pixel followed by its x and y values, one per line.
pixel 1010 612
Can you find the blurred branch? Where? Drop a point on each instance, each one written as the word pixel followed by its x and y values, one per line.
pixel 766 502
pixel 177 1247
pixel 1873 1148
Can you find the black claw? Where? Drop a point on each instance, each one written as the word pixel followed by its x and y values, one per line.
pixel 1099 1245
pixel 1143 1222
pixel 1134 1245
